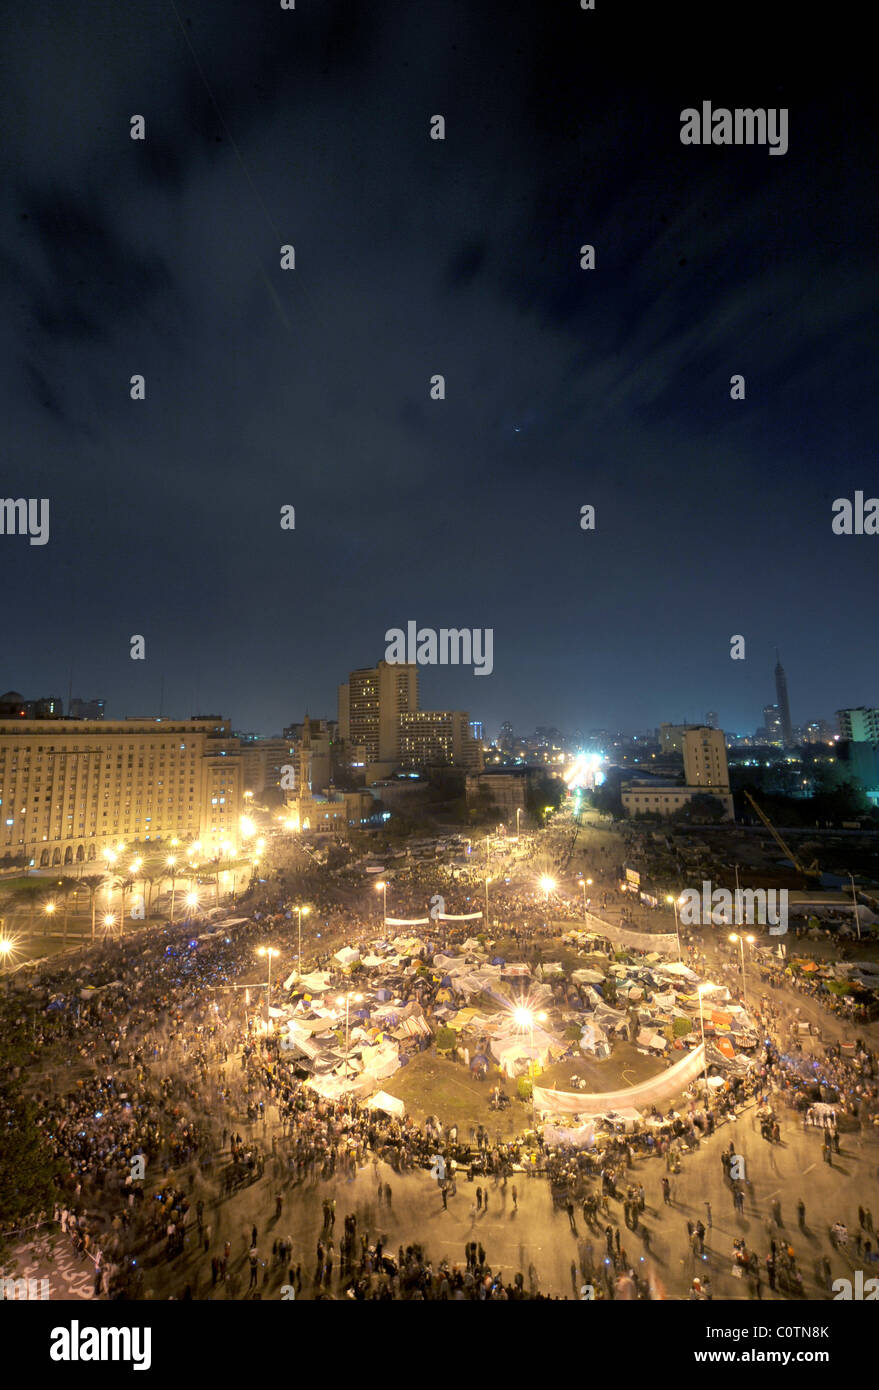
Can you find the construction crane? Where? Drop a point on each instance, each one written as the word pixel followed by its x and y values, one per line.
pixel 807 870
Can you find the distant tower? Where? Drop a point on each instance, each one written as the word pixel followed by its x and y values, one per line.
pixel 711 719
pixel 305 758
pixel 787 736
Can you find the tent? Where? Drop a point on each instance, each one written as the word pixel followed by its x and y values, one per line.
pixel 348 956
pixel 389 1104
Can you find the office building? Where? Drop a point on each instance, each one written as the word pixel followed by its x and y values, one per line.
pixel 71 788
pixel 705 762
pixel 438 737
pixel 772 725
pixel 861 725
pixel 86 709
pixel 787 734
pixel 370 704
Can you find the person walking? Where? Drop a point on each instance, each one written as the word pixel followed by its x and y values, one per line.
pixel 666 1192
pixel 708 1214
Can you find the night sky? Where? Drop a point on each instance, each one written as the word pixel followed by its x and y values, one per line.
pixel 311 387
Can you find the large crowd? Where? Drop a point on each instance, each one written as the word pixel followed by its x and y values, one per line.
pixel 145 1064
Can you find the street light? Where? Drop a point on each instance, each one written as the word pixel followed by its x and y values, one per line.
pixel 855 904
pixel 734 936
pixel 171 862
pixel 674 903
pixel 109 921
pixel 518 814
pixel 583 883
pixel 487 882
pixel 191 902
pixel 268 951
pixel 300 911
pixel 525 1019
pixel 548 885
pixel 383 887
pixel 357 999
pixel 702 989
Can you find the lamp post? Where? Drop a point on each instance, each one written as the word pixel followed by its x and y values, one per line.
pixel 383 888
pixel 347 997
pixel 299 912
pixel 49 910
pixel 171 862
pixel 855 905
pixel 268 951
pixel 674 903
pixel 525 1019
pixel 548 885
pixel 518 814
pixel 699 992
pixel 734 936
pixel 583 882
pixel 109 921
pixel 487 882
pixel 191 902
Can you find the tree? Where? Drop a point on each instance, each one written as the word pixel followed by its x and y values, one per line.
pixel 27 1183
pixel 446 1039
pixel 93 882
pixel 702 809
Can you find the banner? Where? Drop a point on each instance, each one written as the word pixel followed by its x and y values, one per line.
pixel 407 921
pixel 459 916
pixel 657 1090
pixel 665 943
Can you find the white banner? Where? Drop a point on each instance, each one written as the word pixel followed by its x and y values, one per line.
pixel 663 1087
pixel 407 921
pixel 459 916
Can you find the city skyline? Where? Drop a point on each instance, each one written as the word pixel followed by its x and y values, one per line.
pixel 310 388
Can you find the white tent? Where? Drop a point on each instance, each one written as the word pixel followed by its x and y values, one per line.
pixel 349 955
pixel 390 1104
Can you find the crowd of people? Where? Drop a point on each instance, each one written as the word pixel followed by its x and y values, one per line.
pixel 144 1062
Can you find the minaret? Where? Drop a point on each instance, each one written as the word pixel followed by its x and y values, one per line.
pixel 787 734
pixel 305 758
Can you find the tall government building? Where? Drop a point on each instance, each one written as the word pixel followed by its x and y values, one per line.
pixel 70 788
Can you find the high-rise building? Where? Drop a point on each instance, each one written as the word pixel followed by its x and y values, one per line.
pixel 438 736
pixel 705 762
pixel 671 737
pixel 861 725
pixel 86 709
pixel 787 733
pixel 772 724
pixel 71 788
pixel 818 731
pixel 477 731
pixel 370 704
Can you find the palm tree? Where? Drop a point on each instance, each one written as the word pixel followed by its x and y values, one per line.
pixel 28 895
pixel 64 888
pixel 93 882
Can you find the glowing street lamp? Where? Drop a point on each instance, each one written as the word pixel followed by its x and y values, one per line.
pixel 735 936
pixel 347 998
pixel 525 1018
pixel 487 882
pixel 383 888
pixel 269 952
pixel 191 902
pixel 548 885
pixel 109 921
pixel 584 882
pixel 518 814
pixel 674 903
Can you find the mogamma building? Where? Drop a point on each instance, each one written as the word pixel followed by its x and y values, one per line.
pixel 70 788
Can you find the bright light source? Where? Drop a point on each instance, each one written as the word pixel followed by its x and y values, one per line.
pixel 246 827
pixel 523 1017
pixel 547 884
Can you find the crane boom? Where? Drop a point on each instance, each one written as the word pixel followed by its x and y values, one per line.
pixel 809 870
